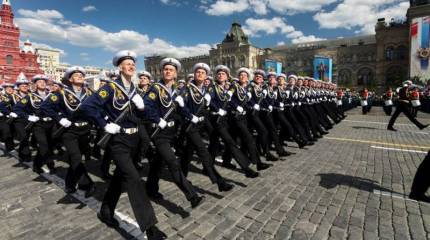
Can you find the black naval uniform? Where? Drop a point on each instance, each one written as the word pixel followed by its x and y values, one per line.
pixel 195 105
pixel 220 100
pixel 21 135
pixel 158 101
pixel 268 106
pixel 239 124
pixel 256 122
pixel 421 182
pixel 42 129
pixel 6 103
pixel 403 105
pixel 66 104
pixel 111 100
pixel 287 130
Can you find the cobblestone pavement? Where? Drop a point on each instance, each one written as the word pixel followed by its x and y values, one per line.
pixel 352 184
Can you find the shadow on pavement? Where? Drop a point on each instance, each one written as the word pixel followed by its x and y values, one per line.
pixel 332 180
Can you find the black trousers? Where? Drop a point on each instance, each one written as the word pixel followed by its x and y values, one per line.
pixel 6 135
pixel 313 120
pixel 76 141
pixel 291 117
pixel 421 181
pixel 221 130
pixel 165 155
pixel 403 107
pixel 287 129
pixel 303 121
pixel 256 123
pixel 122 148
pixel 267 118
pixel 42 131
pixel 144 149
pixel 195 143
pixel 240 130
pixel 23 137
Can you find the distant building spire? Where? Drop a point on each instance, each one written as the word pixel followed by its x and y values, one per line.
pixel 236 34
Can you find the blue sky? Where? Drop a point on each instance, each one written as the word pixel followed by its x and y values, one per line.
pixel 90 32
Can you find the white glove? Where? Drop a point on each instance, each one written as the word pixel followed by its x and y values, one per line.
pixel 1 114
pixel 13 115
pixel 300 103
pixel 256 107
pixel 138 101
pixel 208 99
pixel 239 109
pixel 195 119
pixel 222 112
pixel 293 104
pixel 265 92
pixel 112 128
pixel 281 105
pixel 33 118
pixel 249 95
pixel 65 122
pixel 230 93
pixel 180 101
pixel 270 108
pixel 162 124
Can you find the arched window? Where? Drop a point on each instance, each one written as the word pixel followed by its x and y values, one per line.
pixel 242 61
pixel 232 62
pixel 9 59
pixel 364 76
pixel 344 77
pixel 395 75
pixel 389 53
pixel 402 52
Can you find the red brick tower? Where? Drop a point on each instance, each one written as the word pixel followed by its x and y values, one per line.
pixel 13 60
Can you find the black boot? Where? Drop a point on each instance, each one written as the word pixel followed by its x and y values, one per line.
pixel 262 166
pixel 224 186
pixel 391 129
pixel 228 165
pixel 106 217
pixel 270 157
pixel 423 126
pixel 153 233
pixel 249 173
pixel 196 201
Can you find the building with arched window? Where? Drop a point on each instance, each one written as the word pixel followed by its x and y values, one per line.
pixel 235 51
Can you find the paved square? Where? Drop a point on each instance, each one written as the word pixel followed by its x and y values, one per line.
pixel 350 185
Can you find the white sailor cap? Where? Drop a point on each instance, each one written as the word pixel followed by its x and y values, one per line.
pixel 21 81
pixel 144 73
pixel 190 75
pixel 300 78
pixel 246 70
pixel 260 72
pixel 58 82
pixel 271 74
pixel 407 82
pixel 103 76
pixel 123 55
pixel 210 78
pixel 5 85
pixel 39 77
pixel 74 69
pixel 222 68
pixel 282 75
pixel 294 77
pixel 235 79
pixel 203 66
pixel 182 81
pixel 171 61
